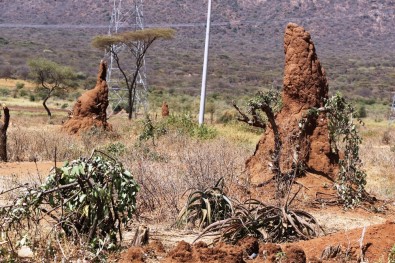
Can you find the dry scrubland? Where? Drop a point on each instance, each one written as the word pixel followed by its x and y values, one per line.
pixel 177 161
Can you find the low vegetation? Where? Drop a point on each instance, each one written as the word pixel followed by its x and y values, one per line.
pixel 268 223
pixel 88 201
pixel 205 207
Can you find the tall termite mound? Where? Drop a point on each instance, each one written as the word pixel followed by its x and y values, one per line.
pixel 90 109
pixel 305 87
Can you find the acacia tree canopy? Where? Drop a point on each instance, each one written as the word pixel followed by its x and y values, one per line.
pixel 51 78
pixel 137 43
pixel 104 42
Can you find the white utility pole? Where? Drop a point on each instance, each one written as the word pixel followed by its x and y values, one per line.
pixel 391 117
pixel 204 77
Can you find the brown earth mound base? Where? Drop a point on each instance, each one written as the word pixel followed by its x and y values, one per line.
pixel 372 245
pixel 154 251
pixel 305 86
pixel 377 242
pixel 90 109
pixel 247 250
pixel 200 252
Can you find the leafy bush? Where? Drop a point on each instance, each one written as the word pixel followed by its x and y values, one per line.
pixel 115 149
pixel 89 198
pixel 19 85
pixel 362 112
pixel 23 93
pixel 32 97
pixel 4 92
pixel 151 131
pixel 185 125
pixel 351 179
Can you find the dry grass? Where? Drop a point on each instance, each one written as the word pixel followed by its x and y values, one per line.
pixel 175 164
pixel 378 155
pixel 11 83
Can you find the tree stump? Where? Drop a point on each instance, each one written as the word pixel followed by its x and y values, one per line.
pixel 141 237
pixel 3 134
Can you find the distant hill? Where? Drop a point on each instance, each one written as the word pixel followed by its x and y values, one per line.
pixel 376 15
pixel 354 40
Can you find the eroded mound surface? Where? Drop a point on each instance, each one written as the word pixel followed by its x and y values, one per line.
pixel 374 245
pixel 90 109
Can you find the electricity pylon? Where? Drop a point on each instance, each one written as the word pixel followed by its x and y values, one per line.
pixel 392 112
pixel 126 15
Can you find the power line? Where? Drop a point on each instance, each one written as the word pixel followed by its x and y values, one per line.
pixel 125 16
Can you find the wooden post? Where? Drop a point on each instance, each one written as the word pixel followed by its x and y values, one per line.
pixel 141 236
pixel 3 134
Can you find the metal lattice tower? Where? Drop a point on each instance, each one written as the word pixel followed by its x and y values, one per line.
pixel 392 112
pixel 126 15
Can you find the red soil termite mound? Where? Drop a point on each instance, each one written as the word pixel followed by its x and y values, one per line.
pixel 165 109
pixel 90 108
pixel 200 252
pixel 305 87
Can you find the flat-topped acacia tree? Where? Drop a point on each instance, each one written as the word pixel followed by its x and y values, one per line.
pixel 137 43
pixel 51 78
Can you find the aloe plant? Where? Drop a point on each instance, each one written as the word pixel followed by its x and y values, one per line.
pixel 268 223
pixel 205 207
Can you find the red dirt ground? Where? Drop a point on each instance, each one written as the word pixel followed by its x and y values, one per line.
pixel 25 168
pixel 377 243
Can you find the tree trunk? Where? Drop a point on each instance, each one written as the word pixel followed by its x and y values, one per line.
pixel 3 134
pixel 130 103
pixel 46 108
pixel 134 104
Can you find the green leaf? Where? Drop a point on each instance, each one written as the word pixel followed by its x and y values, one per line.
pixel 75 171
pixel 82 198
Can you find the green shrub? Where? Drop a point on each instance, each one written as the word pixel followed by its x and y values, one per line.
pixel 115 149
pixel 19 85
pixel 351 180
pixel 185 125
pixel 4 92
pixel 362 112
pixel 89 198
pixel 23 93
pixel 150 131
